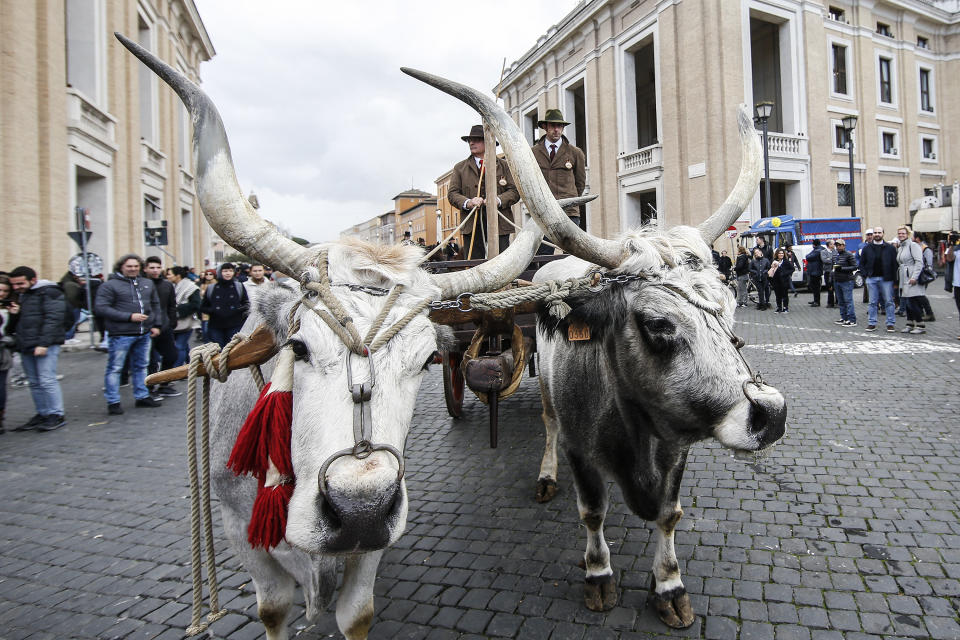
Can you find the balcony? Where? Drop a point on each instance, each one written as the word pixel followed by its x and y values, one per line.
pixel 782 145
pixel 90 131
pixel 641 160
pixel 152 160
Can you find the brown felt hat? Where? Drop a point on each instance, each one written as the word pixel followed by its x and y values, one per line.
pixel 553 117
pixel 476 131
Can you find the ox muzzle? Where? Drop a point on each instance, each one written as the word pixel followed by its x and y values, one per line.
pixel 768 412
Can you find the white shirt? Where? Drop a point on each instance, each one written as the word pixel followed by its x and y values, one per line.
pixel 548 144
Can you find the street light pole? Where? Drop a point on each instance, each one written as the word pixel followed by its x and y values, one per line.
pixel 763 111
pixel 849 124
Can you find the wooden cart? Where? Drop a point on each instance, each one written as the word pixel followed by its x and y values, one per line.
pixel 486 356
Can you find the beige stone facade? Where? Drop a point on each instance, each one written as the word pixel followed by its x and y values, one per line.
pixel 84 124
pixel 652 88
pixel 413 210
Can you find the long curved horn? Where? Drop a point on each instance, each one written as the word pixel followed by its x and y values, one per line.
pixel 222 202
pixel 496 272
pixel 751 166
pixel 530 181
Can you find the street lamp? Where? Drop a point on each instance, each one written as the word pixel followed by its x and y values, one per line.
pixel 849 124
pixel 763 110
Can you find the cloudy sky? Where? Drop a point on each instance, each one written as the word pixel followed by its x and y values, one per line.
pixel 323 125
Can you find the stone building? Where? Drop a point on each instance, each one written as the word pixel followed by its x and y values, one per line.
pixel 413 210
pixel 652 87
pixel 84 124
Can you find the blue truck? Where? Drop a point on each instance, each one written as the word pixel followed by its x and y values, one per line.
pixel 799 234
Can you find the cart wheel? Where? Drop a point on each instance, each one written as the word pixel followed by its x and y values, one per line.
pixel 453 383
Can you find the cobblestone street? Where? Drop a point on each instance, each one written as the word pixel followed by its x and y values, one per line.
pixel 847 529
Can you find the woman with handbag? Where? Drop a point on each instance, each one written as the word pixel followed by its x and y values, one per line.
pixel 780 273
pixel 910 259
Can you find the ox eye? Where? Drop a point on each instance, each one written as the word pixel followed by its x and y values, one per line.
pixel 435 358
pixel 300 351
pixel 658 325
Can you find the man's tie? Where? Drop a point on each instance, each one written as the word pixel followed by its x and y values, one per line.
pixel 553 152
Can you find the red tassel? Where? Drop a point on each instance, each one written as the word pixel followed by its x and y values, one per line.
pixel 268 523
pixel 265 433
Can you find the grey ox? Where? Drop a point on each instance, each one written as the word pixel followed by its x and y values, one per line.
pixel 363 508
pixel 661 369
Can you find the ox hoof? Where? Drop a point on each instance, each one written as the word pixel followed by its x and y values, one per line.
pixel 546 489
pixel 676 612
pixel 600 596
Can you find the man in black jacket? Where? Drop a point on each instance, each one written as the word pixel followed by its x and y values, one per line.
pixel 131 308
pixel 878 265
pixel 38 326
pixel 164 352
pixel 227 304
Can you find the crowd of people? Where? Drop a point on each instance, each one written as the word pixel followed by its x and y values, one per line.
pixel 145 314
pixel 895 277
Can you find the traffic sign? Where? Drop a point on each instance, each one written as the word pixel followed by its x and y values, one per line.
pixel 81 241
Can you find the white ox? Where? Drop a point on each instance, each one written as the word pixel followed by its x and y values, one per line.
pixel 364 505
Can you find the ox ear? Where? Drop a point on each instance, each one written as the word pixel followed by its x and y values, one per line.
pixel 274 302
pixel 602 312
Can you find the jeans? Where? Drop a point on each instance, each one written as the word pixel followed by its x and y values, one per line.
pixel 182 340
pixel 222 336
pixel 878 287
pixel 813 283
pixel 77 319
pixel 743 283
pixel 41 371
pixel 845 300
pixel 139 349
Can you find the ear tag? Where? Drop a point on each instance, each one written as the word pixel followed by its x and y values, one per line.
pixel 578 330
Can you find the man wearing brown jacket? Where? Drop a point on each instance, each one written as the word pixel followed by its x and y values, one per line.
pixel 563 165
pixel 463 195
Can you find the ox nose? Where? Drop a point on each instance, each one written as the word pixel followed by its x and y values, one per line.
pixel 359 522
pixel 768 413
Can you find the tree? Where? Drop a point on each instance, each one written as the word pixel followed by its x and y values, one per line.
pixel 300 241
pixel 236 257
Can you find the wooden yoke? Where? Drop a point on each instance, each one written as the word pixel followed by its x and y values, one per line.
pixel 257 349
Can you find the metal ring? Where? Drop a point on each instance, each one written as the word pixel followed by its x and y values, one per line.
pixel 322 474
pixel 460 304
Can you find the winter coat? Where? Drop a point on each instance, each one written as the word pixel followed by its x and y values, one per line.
pixel 887 255
pixel 41 318
pixel 814 263
pixel 845 265
pixel 784 271
pixel 168 303
pixel 463 187
pixel 566 174
pixel 120 297
pixel 758 269
pixel 74 294
pixel 766 250
pixel 828 257
pixel 227 304
pixel 743 265
pixel 910 257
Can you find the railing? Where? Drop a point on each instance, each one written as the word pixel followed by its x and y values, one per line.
pixel 786 146
pixel 647 158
